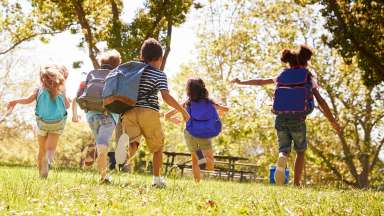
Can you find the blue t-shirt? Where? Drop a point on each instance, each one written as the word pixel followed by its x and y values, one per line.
pixel 49 109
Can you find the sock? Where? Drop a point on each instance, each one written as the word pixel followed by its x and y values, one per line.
pixel 156 179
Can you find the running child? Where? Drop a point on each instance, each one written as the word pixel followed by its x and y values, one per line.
pixel 203 125
pixel 101 122
pixel 51 112
pixel 144 118
pixel 293 101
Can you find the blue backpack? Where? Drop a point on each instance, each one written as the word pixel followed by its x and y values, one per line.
pixel 294 93
pixel 204 121
pixel 122 87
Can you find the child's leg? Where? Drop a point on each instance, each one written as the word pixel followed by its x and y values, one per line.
pixel 102 160
pixel 103 136
pixel 42 156
pixel 157 162
pixel 299 167
pixel 280 168
pixel 195 167
pixel 285 143
pixel 132 149
pixel 51 144
pixel 209 158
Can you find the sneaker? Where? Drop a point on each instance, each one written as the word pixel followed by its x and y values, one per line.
pixel 121 149
pixel 106 180
pixel 159 182
pixel 126 167
pixel 280 170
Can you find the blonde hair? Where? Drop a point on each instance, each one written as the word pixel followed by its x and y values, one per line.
pixel 110 57
pixel 52 78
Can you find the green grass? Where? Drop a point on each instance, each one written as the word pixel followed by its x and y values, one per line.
pixel 75 192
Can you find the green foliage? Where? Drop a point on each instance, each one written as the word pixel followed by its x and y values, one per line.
pixel 75 192
pixel 358 31
pixel 151 21
pixel 97 21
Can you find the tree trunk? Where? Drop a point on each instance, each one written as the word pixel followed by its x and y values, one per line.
pixel 87 32
pixel 168 44
pixel 116 26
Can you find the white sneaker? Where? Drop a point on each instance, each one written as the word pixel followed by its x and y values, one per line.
pixel 158 182
pixel 121 149
pixel 280 170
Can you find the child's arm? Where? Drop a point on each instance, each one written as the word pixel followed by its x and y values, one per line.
pixel 173 103
pixel 75 117
pixel 258 82
pixel 326 110
pixel 27 100
pixel 67 101
pixel 221 108
pixel 170 115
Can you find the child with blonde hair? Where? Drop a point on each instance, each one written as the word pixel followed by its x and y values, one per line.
pixel 50 111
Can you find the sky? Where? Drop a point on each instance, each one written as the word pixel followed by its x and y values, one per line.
pixel 62 48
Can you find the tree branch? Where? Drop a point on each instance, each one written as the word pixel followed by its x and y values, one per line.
pixel 87 32
pixel 168 42
pixel 30 37
pixel 376 155
pixel 330 166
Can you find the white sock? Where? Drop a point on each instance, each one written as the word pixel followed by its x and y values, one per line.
pixel 156 179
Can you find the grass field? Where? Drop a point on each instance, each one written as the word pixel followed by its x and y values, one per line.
pixel 75 192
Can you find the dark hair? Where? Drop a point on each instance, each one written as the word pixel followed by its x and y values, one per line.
pixel 196 90
pixel 151 50
pixel 297 58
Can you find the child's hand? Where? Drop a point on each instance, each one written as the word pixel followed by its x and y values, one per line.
pixel 11 105
pixel 235 81
pixel 175 120
pixel 186 116
pixel 76 118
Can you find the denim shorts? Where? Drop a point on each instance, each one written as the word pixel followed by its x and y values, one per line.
pixel 291 129
pixel 102 127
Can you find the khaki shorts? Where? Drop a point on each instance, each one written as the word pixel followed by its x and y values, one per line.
pixel 44 128
pixel 194 143
pixel 145 122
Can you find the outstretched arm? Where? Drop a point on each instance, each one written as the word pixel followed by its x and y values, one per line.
pixel 27 100
pixel 173 103
pixel 221 108
pixel 67 101
pixel 258 82
pixel 326 110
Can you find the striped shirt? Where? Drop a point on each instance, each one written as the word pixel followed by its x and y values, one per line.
pixel 152 81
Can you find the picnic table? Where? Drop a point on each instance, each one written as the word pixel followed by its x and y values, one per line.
pixel 229 161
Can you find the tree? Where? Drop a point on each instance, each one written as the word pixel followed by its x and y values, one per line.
pixel 97 21
pixel 358 31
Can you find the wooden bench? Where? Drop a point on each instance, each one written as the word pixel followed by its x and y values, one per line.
pixel 228 168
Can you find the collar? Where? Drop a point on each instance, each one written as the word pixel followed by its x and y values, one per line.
pixel 106 66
